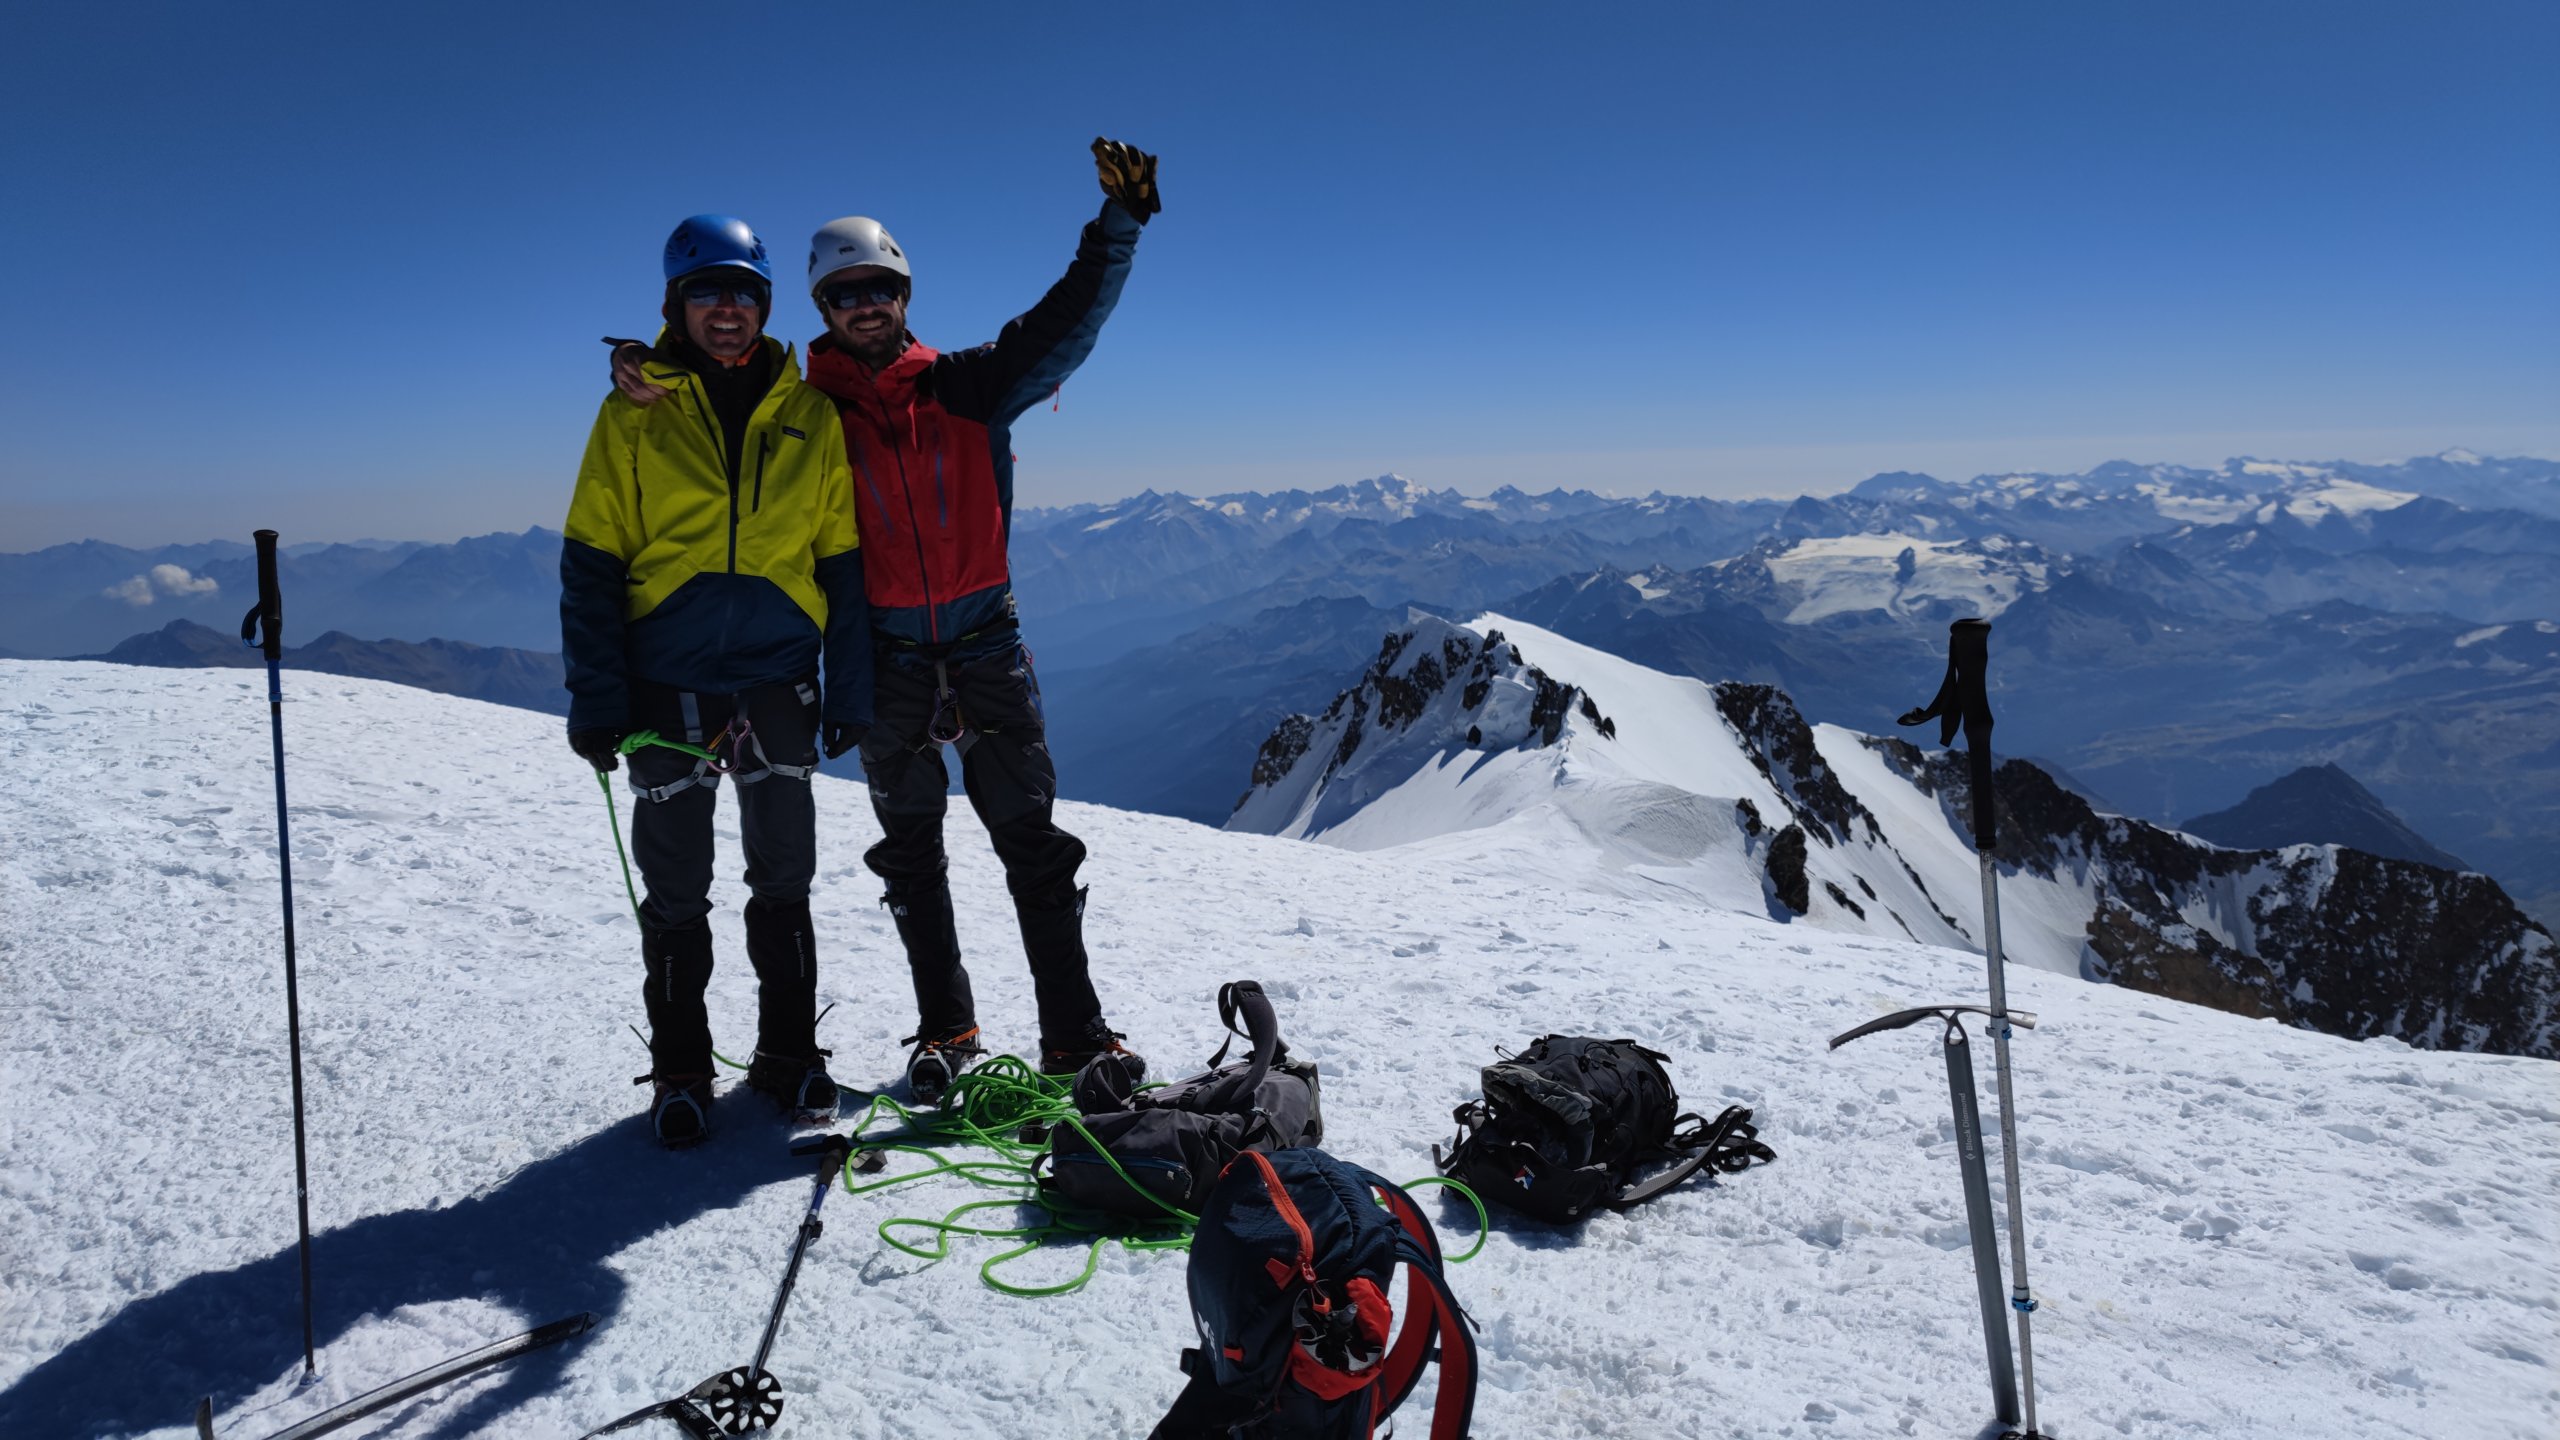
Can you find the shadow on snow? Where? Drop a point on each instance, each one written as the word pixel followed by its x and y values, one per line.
pixel 540 1244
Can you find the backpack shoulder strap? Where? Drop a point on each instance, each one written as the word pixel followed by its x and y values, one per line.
pixel 1434 1326
pixel 1453 1413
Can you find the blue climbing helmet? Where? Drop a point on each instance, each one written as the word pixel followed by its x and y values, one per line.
pixel 703 242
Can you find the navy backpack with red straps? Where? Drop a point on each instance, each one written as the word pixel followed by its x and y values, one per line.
pixel 1290 1278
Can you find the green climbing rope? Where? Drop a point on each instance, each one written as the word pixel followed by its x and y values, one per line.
pixel 990 1107
pixel 1484 1222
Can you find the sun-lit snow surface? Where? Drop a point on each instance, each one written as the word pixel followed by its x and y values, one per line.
pixel 2238 1229
pixel 1900 574
pixel 1651 808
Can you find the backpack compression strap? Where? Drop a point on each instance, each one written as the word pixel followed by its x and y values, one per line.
pixel 1431 1315
pixel 1730 1143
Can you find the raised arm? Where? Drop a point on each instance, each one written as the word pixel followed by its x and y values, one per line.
pixel 1038 349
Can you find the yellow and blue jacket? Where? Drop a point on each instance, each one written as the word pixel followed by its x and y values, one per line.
pixel 689 567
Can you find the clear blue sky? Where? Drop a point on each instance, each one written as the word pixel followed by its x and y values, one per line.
pixel 340 269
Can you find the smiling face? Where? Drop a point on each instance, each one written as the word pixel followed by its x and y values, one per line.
pixel 728 324
pixel 873 328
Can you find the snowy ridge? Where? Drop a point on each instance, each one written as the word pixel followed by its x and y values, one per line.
pixel 2240 1230
pixel 1499 744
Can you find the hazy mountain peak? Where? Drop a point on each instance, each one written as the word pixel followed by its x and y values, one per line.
pixel 2318 805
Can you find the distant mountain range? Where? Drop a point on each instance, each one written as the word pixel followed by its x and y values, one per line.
pixel 527 679
pixel 1500 744
pixel 2173 635
pixel 487 590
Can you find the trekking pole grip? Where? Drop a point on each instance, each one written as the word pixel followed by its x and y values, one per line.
pixel 1964 698
pixel 269 611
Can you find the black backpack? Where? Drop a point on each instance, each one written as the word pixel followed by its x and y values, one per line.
pixel 1175 1139
pixel 1565 1126
pixel 1289 1279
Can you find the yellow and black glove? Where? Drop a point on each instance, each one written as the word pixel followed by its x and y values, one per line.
pixel 1128 176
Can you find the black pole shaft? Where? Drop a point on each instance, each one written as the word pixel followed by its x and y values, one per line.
pixel 270 616
pixel 831 1152
pixel 1979 1220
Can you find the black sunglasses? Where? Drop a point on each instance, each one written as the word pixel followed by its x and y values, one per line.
pixel 736 290
pixel 854 294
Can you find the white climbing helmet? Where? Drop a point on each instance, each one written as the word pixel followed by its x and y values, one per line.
pixel 846 244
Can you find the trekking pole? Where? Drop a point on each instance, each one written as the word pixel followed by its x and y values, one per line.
pixel 269 613
pixel 1964 699
pixel 734 1402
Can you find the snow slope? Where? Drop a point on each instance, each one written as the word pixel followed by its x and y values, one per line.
pixel 1504 746
pixel 2238 1229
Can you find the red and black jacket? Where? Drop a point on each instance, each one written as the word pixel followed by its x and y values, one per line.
pixel 930 438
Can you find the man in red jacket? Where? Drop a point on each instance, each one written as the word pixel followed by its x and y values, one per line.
pixel 929 435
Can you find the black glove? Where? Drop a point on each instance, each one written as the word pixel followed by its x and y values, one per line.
pixel 598 746
pixel 842 737
pixel 1128 176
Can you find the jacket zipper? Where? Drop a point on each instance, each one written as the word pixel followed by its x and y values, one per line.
pixel 763 453
pixel 924 574
pixel 720 448
pixel 941 501
pixel 879 501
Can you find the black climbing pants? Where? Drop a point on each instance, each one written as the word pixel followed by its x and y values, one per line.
pixel 671 817
pixel 671 841
pixel 987 705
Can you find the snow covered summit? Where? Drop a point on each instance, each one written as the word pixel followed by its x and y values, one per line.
pixel 1500 744
pixel 2240 1231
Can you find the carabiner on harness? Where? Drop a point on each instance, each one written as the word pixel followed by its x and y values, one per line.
pixel 946 702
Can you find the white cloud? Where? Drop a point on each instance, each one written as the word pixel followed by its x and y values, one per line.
pixel 174 580
pixel 162 580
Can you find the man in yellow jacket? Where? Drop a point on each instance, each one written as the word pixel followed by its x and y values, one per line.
pixel 708 566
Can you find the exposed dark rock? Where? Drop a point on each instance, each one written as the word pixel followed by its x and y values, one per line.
pixel 1781 744
pixel 2342 941
pixel 1785 864
pixel 1548 707
pixel 1841 898
pixel 1288 741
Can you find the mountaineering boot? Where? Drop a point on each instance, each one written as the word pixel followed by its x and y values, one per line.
pixel 788 1067
pixel 1071 1026
pixel 935 1063
pixel 679 1109
pixel 677 960
pixel 1071 1053
pixel 944 1005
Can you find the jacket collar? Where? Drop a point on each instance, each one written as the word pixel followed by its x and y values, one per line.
pixel 672 376
pixel 836 373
